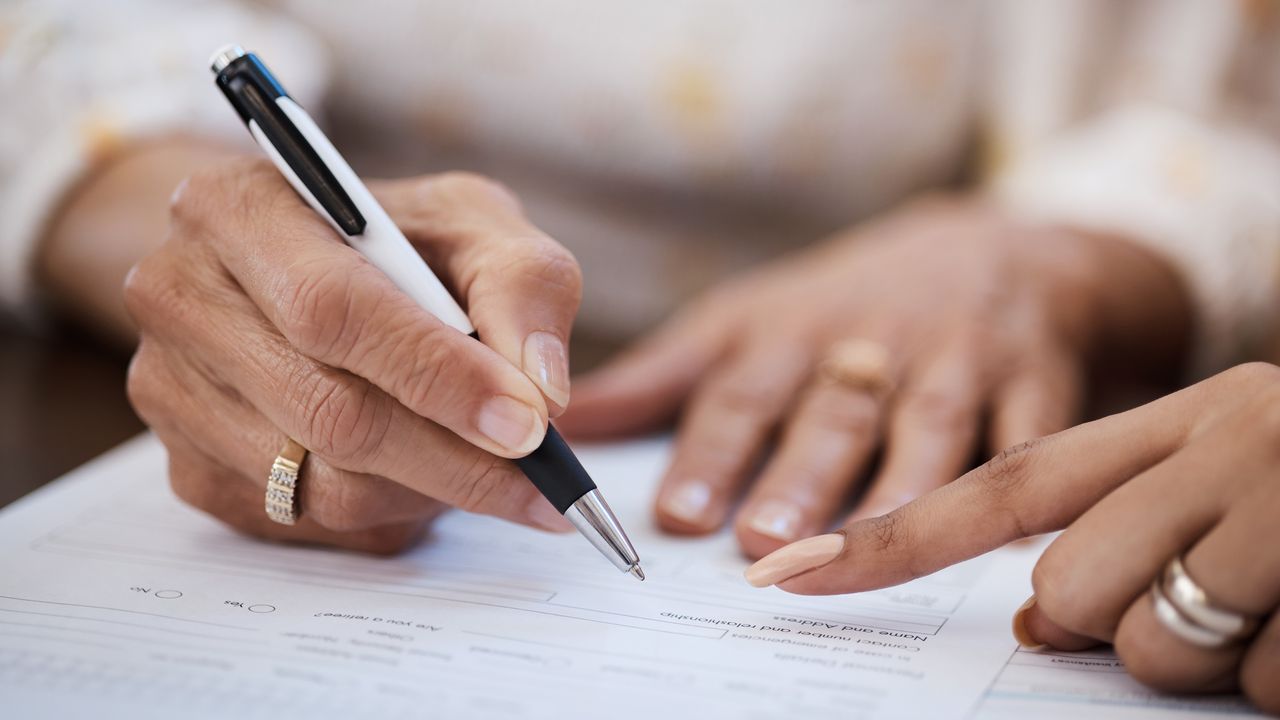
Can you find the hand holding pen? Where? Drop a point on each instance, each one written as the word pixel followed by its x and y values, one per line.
pixel 259 324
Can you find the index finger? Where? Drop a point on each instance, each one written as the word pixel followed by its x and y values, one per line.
pixel 521 288
pixel 1036 487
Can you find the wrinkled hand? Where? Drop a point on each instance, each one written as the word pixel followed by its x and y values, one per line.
pixel 986 324
pixel 1191 475
pixel 258 323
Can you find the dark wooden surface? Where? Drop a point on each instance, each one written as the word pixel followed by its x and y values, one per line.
pixel 62 402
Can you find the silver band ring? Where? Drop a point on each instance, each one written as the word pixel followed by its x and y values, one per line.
pixel 1184 608
pixel 1193 601
pixel 281 501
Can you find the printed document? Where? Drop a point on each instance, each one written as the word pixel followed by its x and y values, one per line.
pixel 117 601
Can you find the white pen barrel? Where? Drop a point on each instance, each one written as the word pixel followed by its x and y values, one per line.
pixel 382 242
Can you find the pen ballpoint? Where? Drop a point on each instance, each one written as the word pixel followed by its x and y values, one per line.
pixel 304 155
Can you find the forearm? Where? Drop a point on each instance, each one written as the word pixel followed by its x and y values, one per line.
pixel 109 221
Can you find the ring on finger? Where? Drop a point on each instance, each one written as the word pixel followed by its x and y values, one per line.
pixel 281 500
pixel 858 364
pixel 1185 609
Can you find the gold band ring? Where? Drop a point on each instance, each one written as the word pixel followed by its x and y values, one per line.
pixel 858 364
pixel 282 483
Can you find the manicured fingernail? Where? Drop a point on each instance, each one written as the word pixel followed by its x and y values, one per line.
pixel 794 559
pixel 689 502
pixel 510 423
pixel 1020 632
pixel 541 514
pixel 546 362
pixel 776 519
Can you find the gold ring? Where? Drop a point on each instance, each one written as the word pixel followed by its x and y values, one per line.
pixel 858 364
pixel 282 483
pixel 1181 602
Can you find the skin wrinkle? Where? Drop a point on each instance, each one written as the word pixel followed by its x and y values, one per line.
pixel 236 284
pixel 311 319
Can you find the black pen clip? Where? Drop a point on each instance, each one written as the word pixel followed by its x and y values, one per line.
pixel 252 91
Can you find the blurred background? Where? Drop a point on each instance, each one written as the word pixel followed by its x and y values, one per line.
pixel 668 145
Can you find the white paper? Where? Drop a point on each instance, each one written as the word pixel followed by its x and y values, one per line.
pixel 1065 686
pixel 118 601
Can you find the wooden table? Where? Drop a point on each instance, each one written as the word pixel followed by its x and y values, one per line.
pixel 62 402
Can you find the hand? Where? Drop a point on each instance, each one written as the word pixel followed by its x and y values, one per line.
pixel 983 321
pixel 1192 475
pixel 258 323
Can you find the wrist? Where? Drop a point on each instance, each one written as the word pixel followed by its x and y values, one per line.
pixel 113 217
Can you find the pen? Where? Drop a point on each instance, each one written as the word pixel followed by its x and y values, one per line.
pixel 323 178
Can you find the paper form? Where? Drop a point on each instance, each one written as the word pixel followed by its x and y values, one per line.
pixel 118 601
pixel 1063 686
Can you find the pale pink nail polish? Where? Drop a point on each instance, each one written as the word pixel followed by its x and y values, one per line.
pixel 787 562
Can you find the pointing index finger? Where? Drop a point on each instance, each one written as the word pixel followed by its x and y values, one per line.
pixel 1036 487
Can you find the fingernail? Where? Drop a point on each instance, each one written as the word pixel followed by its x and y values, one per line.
pixel 546 362
pixel 776 519
pixel 1020 632
pixel 511 424
pixel 794 559
pixel 688 502
pixel 541 514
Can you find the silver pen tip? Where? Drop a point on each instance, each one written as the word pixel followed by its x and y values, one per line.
pixel 637 572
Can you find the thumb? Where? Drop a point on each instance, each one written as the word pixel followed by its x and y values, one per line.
pixel 642 390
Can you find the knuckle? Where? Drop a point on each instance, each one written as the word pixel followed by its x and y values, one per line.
pixel 421 368
pixel 142 384
pixel 343 421
pixel 1254 374
pixel 197 197
pixel 548 264
pixel 150 289
pixel 188 199
pixel 468 185
pixel 1060 597
pixel 317 312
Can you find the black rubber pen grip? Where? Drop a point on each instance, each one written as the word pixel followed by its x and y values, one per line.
pixel 556 471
